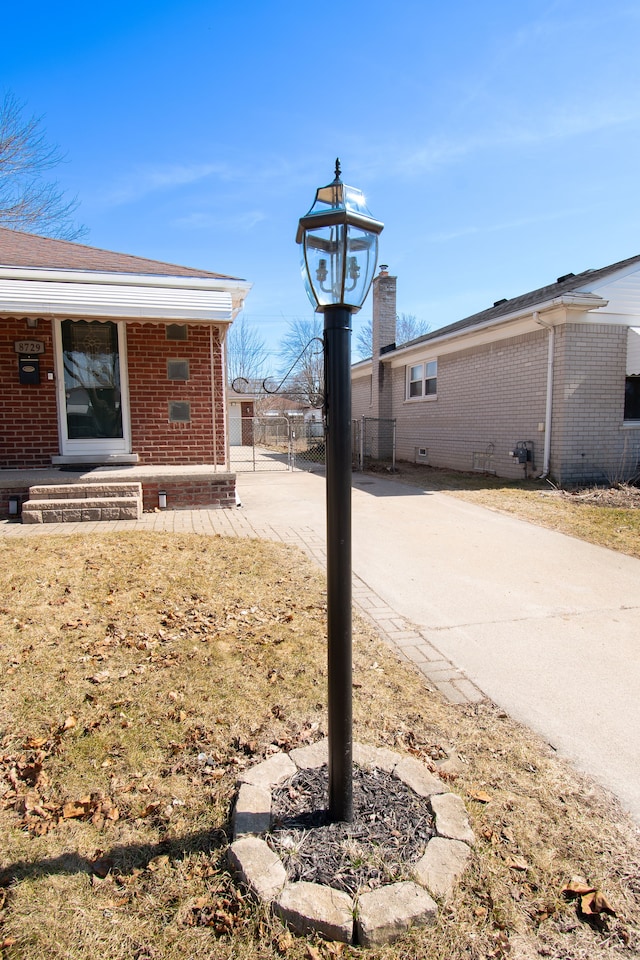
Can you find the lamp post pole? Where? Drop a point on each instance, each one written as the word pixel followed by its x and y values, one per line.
pixel 339 240
pixel 337 367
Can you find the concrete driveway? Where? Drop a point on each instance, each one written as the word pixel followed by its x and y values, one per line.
pixel 545 625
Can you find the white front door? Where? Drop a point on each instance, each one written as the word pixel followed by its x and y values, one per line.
pixel 92 404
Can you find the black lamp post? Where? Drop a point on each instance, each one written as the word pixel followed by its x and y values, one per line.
pixel 339 239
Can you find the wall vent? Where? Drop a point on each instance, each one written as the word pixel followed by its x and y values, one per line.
pixel 177 369
pixel 179 412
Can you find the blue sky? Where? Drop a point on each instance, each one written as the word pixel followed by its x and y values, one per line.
pixel 499 142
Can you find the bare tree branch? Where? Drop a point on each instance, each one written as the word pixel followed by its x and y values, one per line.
pixel 247 355
pixel 303 360
pixel 28 199
pixel 408 327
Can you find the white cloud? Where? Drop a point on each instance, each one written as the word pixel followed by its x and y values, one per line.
pixel 561 124
pixel 142 181
pixel 243 221
pixel 516 224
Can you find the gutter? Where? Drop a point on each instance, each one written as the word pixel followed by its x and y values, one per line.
pixel 548 416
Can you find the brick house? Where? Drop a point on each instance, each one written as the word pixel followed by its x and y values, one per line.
pixel 543 384
pixel 111 359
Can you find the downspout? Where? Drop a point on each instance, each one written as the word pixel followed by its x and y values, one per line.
pixel 548 417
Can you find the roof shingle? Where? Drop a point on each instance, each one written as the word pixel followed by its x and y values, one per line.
pixel 19 249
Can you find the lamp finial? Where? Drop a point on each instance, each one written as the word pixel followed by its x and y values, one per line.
pixel 338 170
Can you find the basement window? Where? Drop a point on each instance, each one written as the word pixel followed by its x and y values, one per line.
pixel 422 380
pixel 179 411
pixel 177 369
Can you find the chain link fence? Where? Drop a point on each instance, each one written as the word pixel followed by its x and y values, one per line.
pixel 275 444
pixel 374 441
pixel 291 443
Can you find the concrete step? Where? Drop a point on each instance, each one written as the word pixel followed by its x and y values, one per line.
pixel 73 511
pixel 75 491
pixel 74 502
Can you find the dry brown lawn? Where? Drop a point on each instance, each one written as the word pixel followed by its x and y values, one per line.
pixel 142 672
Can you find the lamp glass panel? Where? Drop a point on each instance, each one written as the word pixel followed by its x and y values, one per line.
pixel 322 264
pixel 361 258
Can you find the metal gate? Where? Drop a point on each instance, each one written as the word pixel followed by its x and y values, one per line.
pixel 275 443
pixel 374 439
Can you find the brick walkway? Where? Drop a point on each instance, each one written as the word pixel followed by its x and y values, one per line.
pixel 403 637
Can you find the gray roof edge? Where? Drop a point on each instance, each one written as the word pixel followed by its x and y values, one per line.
pixel 527 302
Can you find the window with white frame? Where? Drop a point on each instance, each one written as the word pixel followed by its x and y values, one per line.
pixel 422 379
pixel 632 383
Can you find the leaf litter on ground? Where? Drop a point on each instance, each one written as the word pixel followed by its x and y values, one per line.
pixel 115 795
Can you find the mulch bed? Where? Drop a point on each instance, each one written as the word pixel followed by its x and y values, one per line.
pixel 391 827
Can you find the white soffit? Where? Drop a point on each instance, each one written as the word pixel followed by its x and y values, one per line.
pixel 120 301
pixel 633 352
pixel 622 290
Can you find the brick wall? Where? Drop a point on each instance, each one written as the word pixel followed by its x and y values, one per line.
pixel 589 441
pixel 488 398
pixel 29 424
pixel 188 493
pixel 154 438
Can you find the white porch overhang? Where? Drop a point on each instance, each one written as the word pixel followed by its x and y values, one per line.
pixel 119 296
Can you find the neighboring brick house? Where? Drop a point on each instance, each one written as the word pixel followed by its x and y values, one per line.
pixel 107 358
pixel 544 384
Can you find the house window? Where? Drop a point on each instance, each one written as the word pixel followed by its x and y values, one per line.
pixel 176 331
pixel 422 380
pixel 177 369
pixel 179 412
pixel 632 382
pixel 632 398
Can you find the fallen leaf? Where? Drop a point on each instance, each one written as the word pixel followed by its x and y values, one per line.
pixel 518 863
pixel 600 904
pixel 594 903
pixel 75 809
pixel 284 942
pixel 577 887
pixel 101 677
pixel 480 796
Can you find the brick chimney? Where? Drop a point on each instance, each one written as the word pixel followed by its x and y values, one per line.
pixel 384 336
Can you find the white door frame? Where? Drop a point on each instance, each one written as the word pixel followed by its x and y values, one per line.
pixel 92 447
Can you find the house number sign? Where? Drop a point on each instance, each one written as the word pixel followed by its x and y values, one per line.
pixel 30 347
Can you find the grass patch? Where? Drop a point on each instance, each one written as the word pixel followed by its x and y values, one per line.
pixel 142 672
